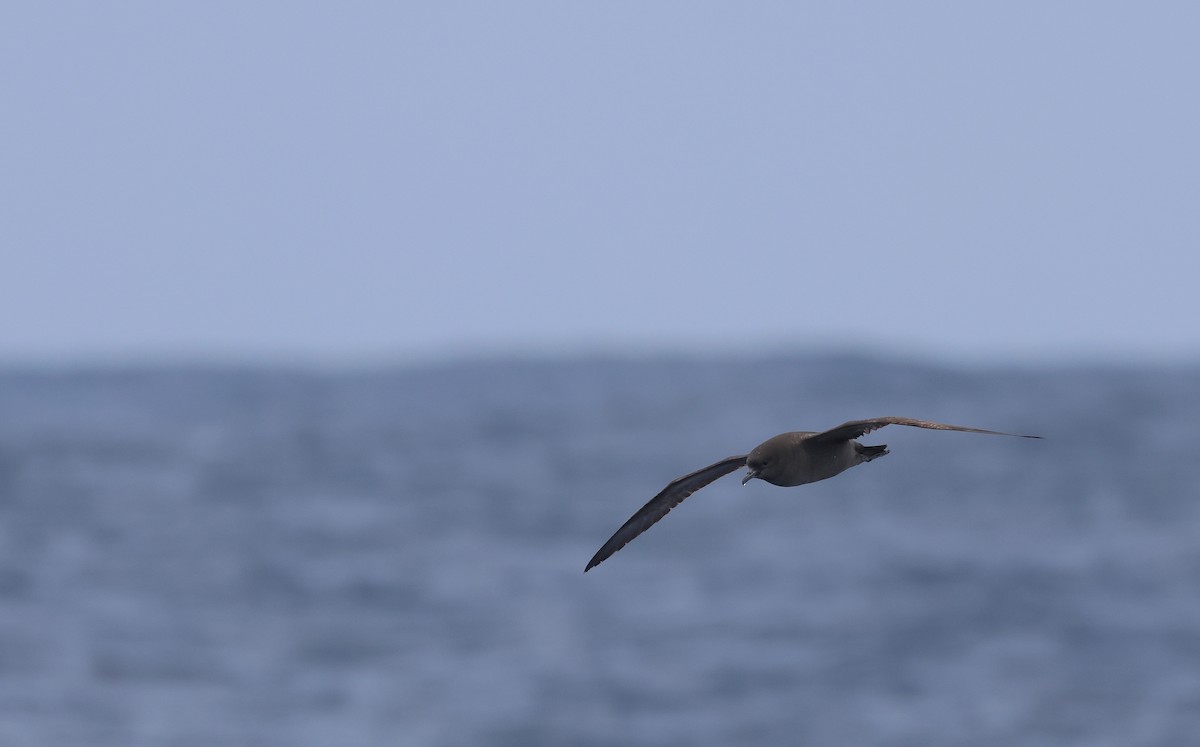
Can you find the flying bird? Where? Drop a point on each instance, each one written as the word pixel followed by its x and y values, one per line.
pixel 786 460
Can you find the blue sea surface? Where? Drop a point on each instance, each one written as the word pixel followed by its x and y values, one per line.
pixel 281 558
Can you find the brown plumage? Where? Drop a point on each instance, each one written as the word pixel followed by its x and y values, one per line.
pixel 787 460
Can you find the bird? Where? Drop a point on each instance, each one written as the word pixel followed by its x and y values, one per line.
pixel 786 460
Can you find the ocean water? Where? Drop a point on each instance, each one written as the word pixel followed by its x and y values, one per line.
pixel 281 558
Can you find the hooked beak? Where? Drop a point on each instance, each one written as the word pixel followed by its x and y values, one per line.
pixel 750 476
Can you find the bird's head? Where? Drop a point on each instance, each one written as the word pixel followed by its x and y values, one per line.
pixel 756 464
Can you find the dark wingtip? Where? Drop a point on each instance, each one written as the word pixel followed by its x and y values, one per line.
pixel 595 561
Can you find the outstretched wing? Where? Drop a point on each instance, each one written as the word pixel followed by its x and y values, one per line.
pixel 658 506
pixel 857 428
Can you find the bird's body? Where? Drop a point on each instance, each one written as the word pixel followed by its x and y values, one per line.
pixel 804 459
pixel 786 460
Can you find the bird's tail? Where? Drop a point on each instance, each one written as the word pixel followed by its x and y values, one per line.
pixel 871 452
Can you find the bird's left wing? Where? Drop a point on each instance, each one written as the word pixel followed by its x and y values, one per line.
pixel 658 506
pixel 857 428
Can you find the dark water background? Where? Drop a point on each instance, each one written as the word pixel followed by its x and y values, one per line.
pixel 281 558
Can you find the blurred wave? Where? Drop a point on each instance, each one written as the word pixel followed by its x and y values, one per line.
pixel 272 557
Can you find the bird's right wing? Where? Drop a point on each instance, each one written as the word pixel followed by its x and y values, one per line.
pixel 858 428
pixel 658 506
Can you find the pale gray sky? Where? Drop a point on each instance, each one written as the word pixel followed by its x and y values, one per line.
pixel 388 181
